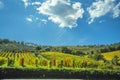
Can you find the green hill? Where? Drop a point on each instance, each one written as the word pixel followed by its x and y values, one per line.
pixel 110 55
pixel 21 54
pixel 20 46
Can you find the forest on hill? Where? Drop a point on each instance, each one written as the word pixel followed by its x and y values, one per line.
pixel 15 46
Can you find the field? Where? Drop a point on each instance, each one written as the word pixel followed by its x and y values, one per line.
pixel 43 64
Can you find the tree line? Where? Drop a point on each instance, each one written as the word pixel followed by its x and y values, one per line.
pixel 17 46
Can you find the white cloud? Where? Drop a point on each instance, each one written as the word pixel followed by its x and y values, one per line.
pixel 62 12
pixel 35 19
pixel 26 3
pixel 103 7
pixel 29 3
pixel 99 8
pixel 36 3
pixel 1 5
pixel 32 18
pixel 29 19
pixel 44 21
pixel 116 10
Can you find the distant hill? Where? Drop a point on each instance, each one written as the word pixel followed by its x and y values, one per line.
pixel 16 46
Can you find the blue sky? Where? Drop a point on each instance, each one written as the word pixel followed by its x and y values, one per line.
pixel 61 22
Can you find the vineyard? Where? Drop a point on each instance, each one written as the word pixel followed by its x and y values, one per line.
pixel 58 65
pixel 46 59
pixel 26 59
pixel 56 60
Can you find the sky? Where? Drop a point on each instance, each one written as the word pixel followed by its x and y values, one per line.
pixel 61 22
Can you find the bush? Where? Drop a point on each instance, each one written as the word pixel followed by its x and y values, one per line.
pixel 98 56
pixel 10 62
pixel 2 61
pixel 115 60
pixel 43 62
pixel 92 64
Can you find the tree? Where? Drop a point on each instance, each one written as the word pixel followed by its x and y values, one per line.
pixel 36 62
pixel 73 63
pixel 112 48
pixel 47 48
pixel 6 41
pixel 22 43
pixel 38 48
pixel 65 50
pixel 105 50
pixel 115 60
pixel 79 53
pixel 118 48
pixel 98 57
pixel 36 54
pixel 10 62
pixel 2 61
pixel 92 52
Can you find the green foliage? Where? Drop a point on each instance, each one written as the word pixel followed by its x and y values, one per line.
pixel 97 56
pixel 14 46
pixel 38 48
pixel 92 64
pixel 11 62
pixel 89 74
pixel 44 63
pixel 65 50
pixel 76 57
pixel 115 60
pixel 36 62
pixel 2 61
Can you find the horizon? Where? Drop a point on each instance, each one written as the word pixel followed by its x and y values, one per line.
pixel 62 45
pixel 61 22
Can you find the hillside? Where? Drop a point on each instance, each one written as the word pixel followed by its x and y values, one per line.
pixel 43 64
pixel 13 53
pixel 110 55
pixel 88 61
pixel 17 46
